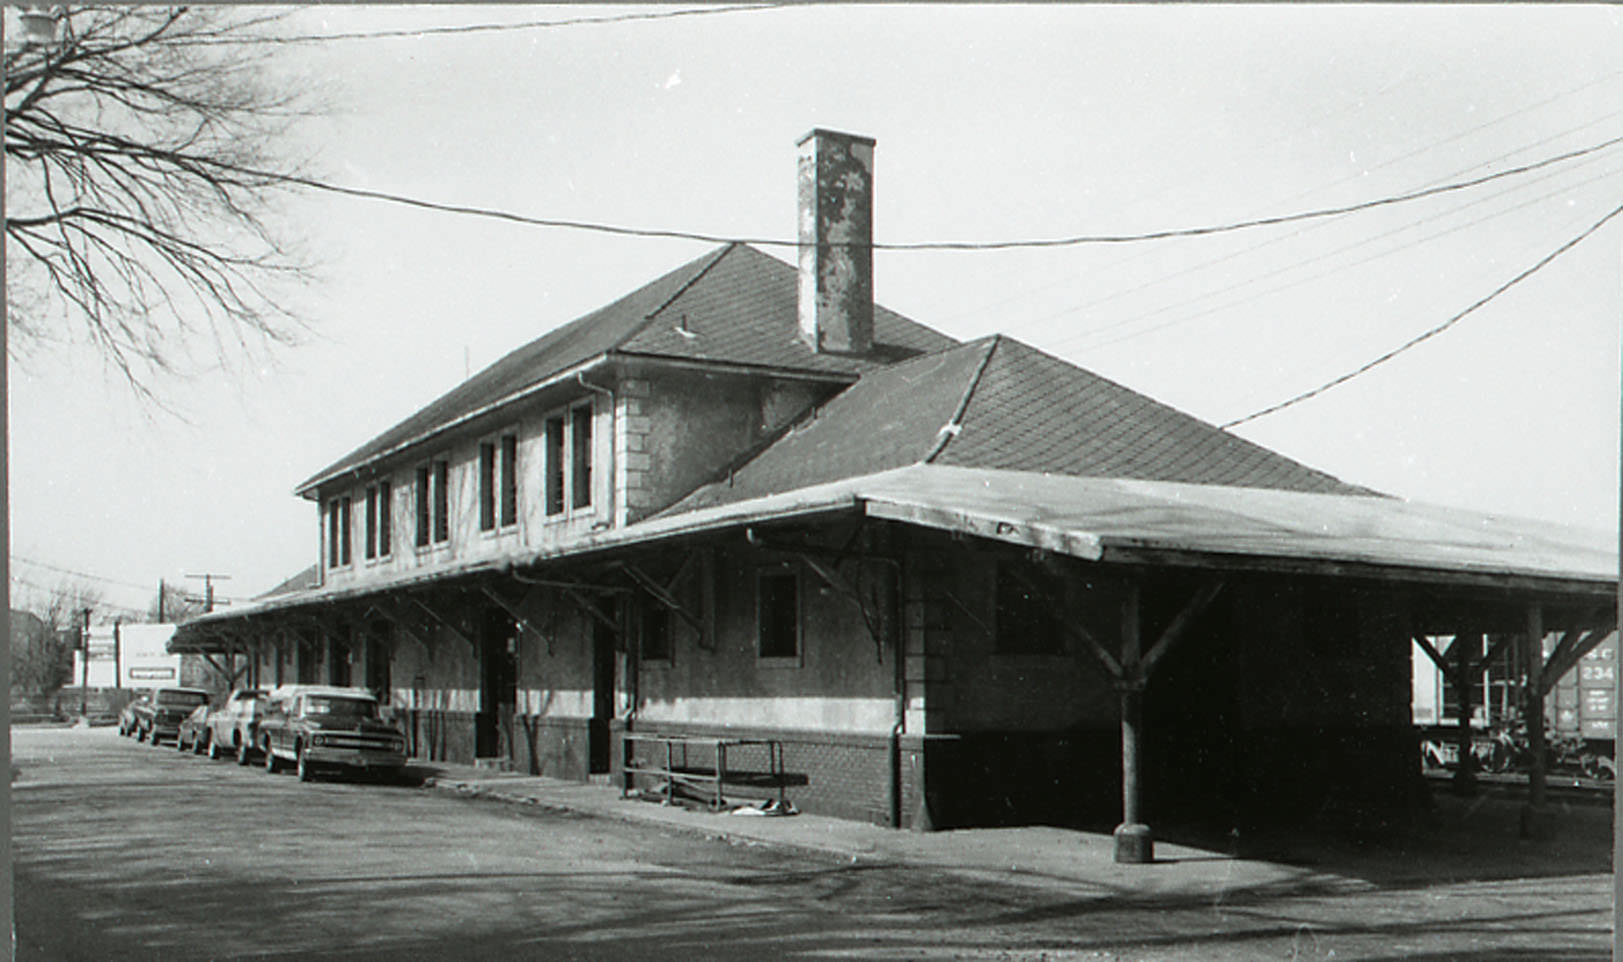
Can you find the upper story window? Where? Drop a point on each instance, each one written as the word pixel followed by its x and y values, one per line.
pixel 432 499
pixel 379 520
pixel 498 483
pixel 568 442
pixel 338 532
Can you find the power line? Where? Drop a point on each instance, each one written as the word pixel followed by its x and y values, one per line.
pixel 1080 239
pixel 1234 255
pixel 1030 292
pixel 1433 332
pixel 79 574
pixel 479 27
pixel 98 604
pixel 1287 268
pixel 110 581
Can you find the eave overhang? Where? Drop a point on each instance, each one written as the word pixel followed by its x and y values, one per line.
pixel 1111 521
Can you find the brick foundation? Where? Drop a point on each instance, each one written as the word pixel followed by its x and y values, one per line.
pixel 845 776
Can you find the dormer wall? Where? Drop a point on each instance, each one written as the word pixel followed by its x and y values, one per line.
pixel 602 450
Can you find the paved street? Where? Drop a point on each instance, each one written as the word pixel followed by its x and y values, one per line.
pixel 132 852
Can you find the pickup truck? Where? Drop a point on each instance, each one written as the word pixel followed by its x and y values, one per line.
pixel 233 728
pixel 314 727
pixel 158 715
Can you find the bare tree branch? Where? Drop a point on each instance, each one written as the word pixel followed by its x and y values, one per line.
pixel 142 170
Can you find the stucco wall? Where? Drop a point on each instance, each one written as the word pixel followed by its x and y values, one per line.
pixel 995 691
pixel 840 683
pixel 697 424
pixel 534 528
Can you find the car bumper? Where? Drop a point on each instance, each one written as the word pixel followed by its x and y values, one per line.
pixel 354 758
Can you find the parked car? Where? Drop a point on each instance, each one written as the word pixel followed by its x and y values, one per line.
pixel 158 716
pixel 233 729
pixel 126 717
pixel 318 726
pixel 193 731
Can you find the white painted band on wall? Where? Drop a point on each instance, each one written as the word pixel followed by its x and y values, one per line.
pixel 560 702
pixel 436 699
pixel 867 715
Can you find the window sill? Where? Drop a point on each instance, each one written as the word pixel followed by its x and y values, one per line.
pixel 794 661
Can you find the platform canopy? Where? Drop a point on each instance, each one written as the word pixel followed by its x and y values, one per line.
pixel 1117 520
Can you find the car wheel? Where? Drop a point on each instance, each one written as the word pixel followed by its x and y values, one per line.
pixel 197 743
pixel 270 758
pixel 242 753
pixel 214 750
pixel 140 734
pixel 180 744
pixel 306 771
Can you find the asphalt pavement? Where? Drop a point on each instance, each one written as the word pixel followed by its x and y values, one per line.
pixel 1461 838
pixel 128 851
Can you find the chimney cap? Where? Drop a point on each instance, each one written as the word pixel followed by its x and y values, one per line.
pixel 825 132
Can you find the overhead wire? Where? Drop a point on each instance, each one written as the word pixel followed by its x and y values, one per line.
pixel 1071 241
pixel 78 574
pixel 88 576
pixel 1460 135
pixel 1431 332
pixel 1161 279
pixel 98 604
pixel 471 28
pixel 1082 338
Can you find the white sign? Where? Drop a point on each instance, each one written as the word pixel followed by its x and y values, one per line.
pixel 143 660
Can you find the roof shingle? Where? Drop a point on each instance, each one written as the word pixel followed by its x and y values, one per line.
pixel 1023 410
pixel 734 305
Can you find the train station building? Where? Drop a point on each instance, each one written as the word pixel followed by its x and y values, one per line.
pixel 919 582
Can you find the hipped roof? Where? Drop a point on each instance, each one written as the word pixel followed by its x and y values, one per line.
pixel 999 403
pixel 733 306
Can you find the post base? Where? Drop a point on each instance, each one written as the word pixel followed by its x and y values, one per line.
pixel 1537 823
pixel 1134 844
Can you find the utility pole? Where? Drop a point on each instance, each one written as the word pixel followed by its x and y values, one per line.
pixel 118 674
pixel 160 600
pixel 208 588
pixel 84 666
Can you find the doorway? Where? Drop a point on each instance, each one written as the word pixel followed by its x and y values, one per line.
pixel 498 685
pixel 604 638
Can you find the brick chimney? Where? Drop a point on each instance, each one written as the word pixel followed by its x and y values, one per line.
pixel 836 238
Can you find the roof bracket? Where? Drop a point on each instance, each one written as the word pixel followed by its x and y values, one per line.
pixel 873 620
pixel 663 593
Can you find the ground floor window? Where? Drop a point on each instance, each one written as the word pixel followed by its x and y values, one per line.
pixel 777 614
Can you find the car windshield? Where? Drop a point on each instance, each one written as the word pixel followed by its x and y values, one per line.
pixel 182 699
pixel 336 707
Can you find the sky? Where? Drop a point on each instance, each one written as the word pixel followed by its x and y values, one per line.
pixel 992 124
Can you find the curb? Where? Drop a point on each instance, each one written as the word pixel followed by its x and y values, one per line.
pixel 477 791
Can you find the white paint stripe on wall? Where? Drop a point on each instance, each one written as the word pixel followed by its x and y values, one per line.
pixel 865 715
pixel 437 699
pixel 555 702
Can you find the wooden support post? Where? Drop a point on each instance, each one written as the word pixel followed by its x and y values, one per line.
pixel 1534 660
pixel 1134 843
pixel 1465 771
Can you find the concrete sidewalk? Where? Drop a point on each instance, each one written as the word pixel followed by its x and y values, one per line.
pixel 1033 855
